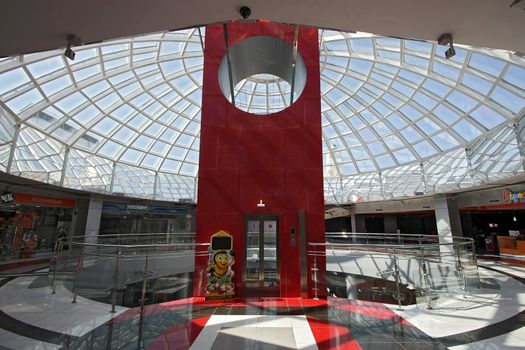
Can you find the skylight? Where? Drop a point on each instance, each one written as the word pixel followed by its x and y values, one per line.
pixel 397 117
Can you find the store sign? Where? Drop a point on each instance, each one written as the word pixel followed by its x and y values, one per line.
pixel 7 198
pixel 512 197
pixel 45 201
pixel 137 207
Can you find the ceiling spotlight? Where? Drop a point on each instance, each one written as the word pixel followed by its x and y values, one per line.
pixel 72 40
pixel 446 39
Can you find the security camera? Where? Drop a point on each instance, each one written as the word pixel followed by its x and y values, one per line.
pixel 245 12
pixel 450 52
pixel 69 53
pixel 72 40
pixel 446 39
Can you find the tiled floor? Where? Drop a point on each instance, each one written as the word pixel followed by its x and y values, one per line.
pixel 255 332
pixel 33 318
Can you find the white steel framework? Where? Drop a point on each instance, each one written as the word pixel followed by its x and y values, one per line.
pixel 398 118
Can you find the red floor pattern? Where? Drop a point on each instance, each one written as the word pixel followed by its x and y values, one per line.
pixel 179 336
pixel 327 329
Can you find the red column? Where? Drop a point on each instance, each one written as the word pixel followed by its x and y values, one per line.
pixel 276 158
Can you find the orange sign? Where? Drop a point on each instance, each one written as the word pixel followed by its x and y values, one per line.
pixel 45 201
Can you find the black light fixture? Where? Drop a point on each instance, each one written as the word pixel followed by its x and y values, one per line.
pixel 446 39
pixel 72 40
pixel 245 12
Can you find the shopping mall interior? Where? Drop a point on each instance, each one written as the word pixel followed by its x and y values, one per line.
pixel 277 175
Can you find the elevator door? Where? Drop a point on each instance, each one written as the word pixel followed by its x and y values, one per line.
pixel 261 274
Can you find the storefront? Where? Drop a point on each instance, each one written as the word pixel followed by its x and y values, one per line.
pixel 30 224
pixel 124 218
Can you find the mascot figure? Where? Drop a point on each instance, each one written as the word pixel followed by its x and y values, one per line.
pixel 219 271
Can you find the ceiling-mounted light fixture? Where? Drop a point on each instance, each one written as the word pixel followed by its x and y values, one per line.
pixel 72 40
pixel 245 12
pixel 514 216
pixel 261 204
pixel 446 39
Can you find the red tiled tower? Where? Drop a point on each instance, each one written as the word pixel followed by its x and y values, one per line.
pixel 277 158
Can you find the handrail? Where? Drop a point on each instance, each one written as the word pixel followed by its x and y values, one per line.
pixel 85 260
pixel 166 245
pixel 415 246
pixel 421 261
pixel 24 274
pixel 120 235
pixel 389 235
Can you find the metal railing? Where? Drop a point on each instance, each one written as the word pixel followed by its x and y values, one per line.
pixel 399 267
pixel 130 269
pixel 127 270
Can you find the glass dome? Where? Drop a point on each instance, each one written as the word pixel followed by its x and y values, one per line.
pixel 398 118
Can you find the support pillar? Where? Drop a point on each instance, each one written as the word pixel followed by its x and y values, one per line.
pixel 353 219
pixel 360 223
pixel 448 220
pixel 94 214
pixel 390 222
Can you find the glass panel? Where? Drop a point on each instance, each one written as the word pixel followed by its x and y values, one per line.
pixel 253 232
pixel 270 254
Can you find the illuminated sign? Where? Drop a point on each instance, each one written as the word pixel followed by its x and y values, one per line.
pixel 137 207
pixel 45 201
pixel 513 196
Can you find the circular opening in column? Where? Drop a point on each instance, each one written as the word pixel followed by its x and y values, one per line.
pixel 262 74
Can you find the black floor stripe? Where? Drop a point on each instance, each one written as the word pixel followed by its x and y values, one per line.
pixel 6 281
pixel 13 325
pixel 520 279
pixel 496 329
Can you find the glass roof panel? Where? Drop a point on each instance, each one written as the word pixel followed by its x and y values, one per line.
pixel 56 85
pixel 130 109
pixel 508 99
pixel 85 73
pixel 462 101
pixel 487 64
pixel 467 131
pixel 424 149
pixel 364 46
pixel 24 101
pixel 12 79
pixel 445 114
pixel 71 102
pixel 516 75
pixel 487 117
pixel 45 67
pixel 446 71
pixel 476 83
pixel 436 88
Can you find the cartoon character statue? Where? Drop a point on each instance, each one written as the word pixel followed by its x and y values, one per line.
pixel 219 271
pixel 219 264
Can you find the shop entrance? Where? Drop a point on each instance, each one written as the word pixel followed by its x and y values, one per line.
pixel 261 271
